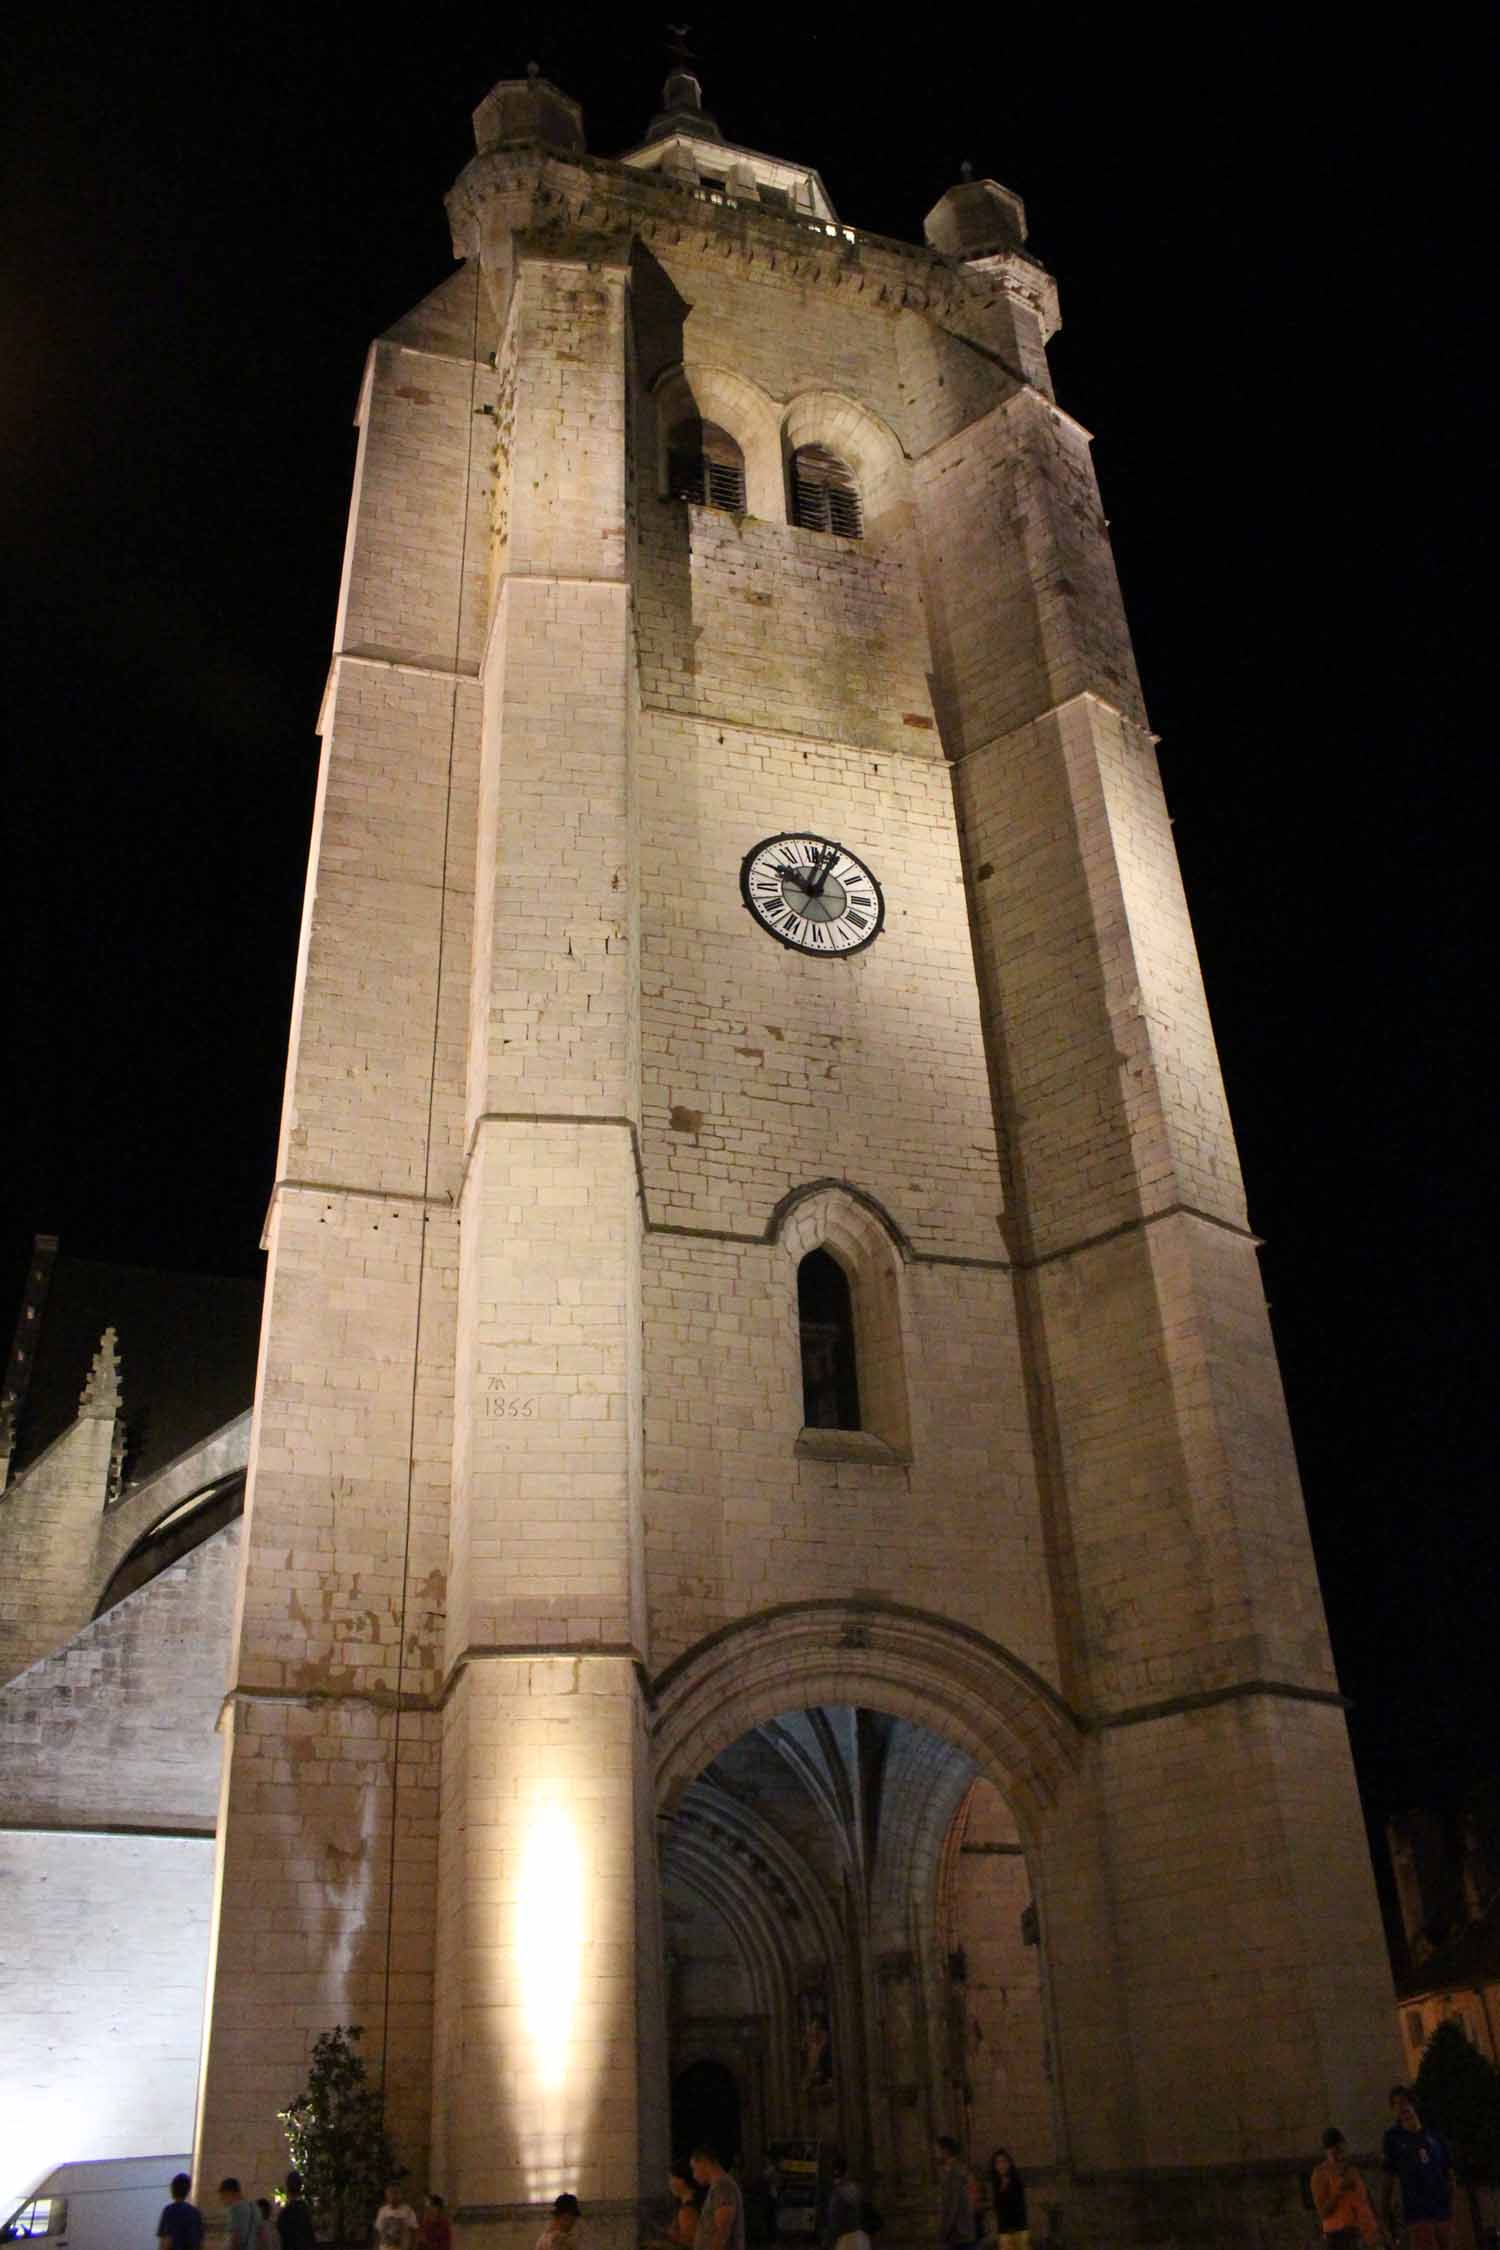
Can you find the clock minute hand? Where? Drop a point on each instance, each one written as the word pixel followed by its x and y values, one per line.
pixel 825 860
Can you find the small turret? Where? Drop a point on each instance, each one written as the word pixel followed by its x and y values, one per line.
pixel 976 219
pixel 528 109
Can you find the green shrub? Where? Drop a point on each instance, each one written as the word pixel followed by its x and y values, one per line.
pixel 335 2132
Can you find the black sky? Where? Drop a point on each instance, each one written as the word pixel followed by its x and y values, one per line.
pixel 1274 245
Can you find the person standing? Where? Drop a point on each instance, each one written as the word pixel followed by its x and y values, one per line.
pixel 395 2221
pixel 681 2230
pixel 294 2221
pixel 180 2226
pixel 721 2222
pixel 1418 2184
pixel 436 2230
pixel 564 2227
pixel 244 2219
pixel 1344 2209
pixel 845 2200
pixel 1008 2195
pixel 957 2226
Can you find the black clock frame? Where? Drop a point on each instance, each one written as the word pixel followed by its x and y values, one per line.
pixel 794 945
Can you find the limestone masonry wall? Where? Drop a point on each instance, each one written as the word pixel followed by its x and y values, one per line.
pixel 101 1996
pixel 767 626
pixel 762 1069
pixel 106 1934
pixel 736 1522
pixel 118 1726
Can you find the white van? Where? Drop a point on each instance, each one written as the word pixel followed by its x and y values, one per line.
pixel 112 2205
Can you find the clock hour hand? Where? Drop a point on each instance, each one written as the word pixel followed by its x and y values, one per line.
pixel 797 872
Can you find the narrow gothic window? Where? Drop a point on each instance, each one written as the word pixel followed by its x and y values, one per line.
pixel 705 464
pixel 824 494
pixel 825 1309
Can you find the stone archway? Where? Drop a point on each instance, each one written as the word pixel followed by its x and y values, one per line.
pixel 962 1714
pixel 946 1677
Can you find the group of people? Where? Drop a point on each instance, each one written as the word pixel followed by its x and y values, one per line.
pixel 1416 2191
pixel 709 2214
pixel 397 2226
pixel 978 2207
pixel 710 2210
pixel 1416 2186
pixel 258 2225
pixel 252 2225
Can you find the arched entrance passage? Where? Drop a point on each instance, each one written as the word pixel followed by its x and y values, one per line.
pixel 706 2109
pixel 945 1677
pixel 919 1770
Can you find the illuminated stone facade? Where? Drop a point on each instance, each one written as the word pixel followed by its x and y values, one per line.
pixel 535 1538
pixel 120 1492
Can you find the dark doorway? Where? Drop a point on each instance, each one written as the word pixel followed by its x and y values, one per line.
pixel 830 1386
pixel 706 2107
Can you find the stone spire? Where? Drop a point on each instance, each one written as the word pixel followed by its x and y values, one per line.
pixel 101 1395
pixel 101 1400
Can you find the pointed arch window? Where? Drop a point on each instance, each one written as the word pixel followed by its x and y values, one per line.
pixel 706 465
pixel 830 1367
pixel 825 496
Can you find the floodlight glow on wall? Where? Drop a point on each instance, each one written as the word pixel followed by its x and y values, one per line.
pixel 557 2073
pixel 550 1938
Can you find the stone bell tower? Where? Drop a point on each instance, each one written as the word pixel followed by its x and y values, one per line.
pixel 740 878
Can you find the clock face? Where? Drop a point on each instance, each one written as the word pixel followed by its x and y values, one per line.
pixel 812 894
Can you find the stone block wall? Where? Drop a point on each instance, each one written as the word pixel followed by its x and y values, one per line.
pixel 53 1514
pixel 736 1521
pixel 328 1843
pixel 1239 1901
pixel 539 1953
pixel 763 1070
pixel 1005 2062
pixel 768 627
pixel 117 1727
pixel 109 1783
pixel 101 1990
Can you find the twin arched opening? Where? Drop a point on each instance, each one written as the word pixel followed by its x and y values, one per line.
pixel 824 464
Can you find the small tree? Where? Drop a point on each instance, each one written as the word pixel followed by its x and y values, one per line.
pixel 335 2132
pixel 1458 2091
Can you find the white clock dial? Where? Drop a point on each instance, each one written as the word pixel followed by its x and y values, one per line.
pixel 812 894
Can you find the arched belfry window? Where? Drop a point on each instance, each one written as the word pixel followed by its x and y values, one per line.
pixel 830 1376
pixel 705 464
pixel 825 496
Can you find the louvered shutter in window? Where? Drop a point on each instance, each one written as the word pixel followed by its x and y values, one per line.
pixel 705 464
pixel 824 495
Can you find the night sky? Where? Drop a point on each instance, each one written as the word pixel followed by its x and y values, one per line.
pixel 1275 261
